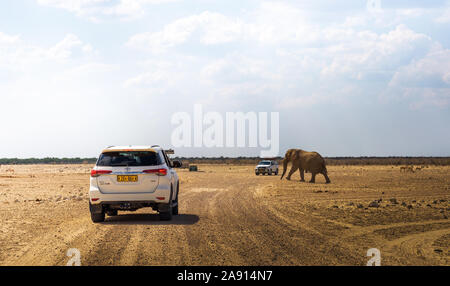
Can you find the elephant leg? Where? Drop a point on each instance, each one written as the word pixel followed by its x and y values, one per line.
pixel 302 175
pixel 292 171
pixel 326 177
pixel 285 163
pixel 313 177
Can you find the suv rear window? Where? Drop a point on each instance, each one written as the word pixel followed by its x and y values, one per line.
pixel 131 158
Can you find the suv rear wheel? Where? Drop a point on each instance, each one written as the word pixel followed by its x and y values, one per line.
pixel 96 216
pixel 175 202
pixel 166 213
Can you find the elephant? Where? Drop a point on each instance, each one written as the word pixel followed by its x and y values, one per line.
pixel 306 162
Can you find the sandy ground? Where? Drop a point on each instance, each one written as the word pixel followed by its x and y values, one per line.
pixel 229 216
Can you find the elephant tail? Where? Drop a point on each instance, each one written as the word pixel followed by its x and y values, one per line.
pixel 285 163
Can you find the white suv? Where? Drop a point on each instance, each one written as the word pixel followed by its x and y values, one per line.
pixel 133 177
pixel 267 167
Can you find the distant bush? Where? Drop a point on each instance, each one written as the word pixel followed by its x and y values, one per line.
pixel 397 161
pixel 17 161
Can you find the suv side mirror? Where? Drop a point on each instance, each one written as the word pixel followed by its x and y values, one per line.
pixel 176 164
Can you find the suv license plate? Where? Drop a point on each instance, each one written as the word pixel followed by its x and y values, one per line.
pixel 127 178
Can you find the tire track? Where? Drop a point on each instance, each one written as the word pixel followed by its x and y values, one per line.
pixel 417 249
pixel 110 248
pixel 48 249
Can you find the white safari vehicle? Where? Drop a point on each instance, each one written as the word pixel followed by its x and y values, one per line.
pixel 134 177
pixel 267 167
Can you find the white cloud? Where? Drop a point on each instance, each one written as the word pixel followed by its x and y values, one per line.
pixel 237 68
pixel 299 101
pixel 426 81
pixel 444 16
pixel 431 71
pixel 7 39
pixel 63 49
pixel 147 78
pixel 273 23
pixel 276 22
pixel 78 7
pixel 427 97
pixel 130 9
pixel 358 54
pixel 53 85
pixel 216 28
pixel 17 55
pixel 278 49
pixel 157 72
pixel 90 68
pixel 411 13
pixel 355 21
pixel 95 9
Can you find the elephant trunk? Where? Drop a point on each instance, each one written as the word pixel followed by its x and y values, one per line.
pixel 285 162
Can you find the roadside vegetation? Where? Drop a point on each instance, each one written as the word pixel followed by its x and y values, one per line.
pixel 333 161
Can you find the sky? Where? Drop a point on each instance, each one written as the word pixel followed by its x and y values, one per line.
pixel 348 78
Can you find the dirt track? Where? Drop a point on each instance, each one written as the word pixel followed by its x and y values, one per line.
pixel 229 216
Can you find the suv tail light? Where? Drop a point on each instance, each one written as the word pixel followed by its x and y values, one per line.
pixel 96 173
pixel 159 172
